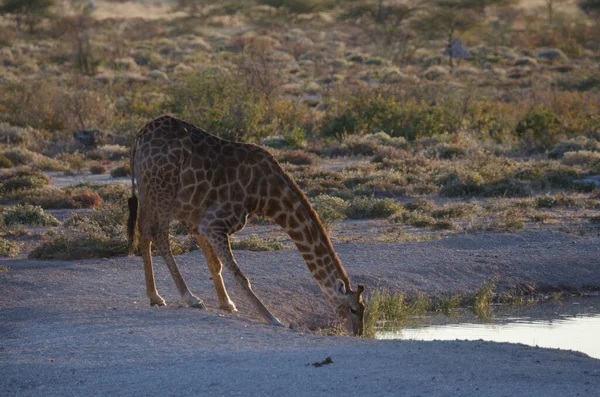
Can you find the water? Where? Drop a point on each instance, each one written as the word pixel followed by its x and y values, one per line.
pixel 573 324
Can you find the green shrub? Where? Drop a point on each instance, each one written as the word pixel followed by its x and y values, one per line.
pixel 97 169
pixel 255 243
pixel 96 235
pixel 407 119
pixel 26 214
pixel 541 125
pixel 370 207
pixel 8 248
pixel 24 181
pixel 330 209
pixel 121 171
pixel 5 162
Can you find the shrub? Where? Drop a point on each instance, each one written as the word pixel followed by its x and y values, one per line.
pixel 455 210
pixel 120 172
pixel 26 214
pixel 255 243
pixel 108 152
pixel 23 180
pixel 330 209
pixel 541 125
pixel 370 207
pixel 297 157
pixel 99 234
pixel 407 119
pixel 97 169
pixel 8 248
pixel 5 162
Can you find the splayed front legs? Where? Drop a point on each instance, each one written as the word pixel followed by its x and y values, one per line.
pixel 219 241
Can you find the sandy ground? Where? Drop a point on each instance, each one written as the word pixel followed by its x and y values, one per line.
pixel 86 328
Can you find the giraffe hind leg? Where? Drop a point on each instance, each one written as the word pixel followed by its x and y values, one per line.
pixel 151 292
pixel 162 242
pixel 215 266
pixel 145 245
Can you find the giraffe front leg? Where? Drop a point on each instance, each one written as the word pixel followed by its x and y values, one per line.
pixel 151 292
pixel 215 266
pixel 220 242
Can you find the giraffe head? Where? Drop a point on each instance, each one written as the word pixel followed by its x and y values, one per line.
pixel 349 307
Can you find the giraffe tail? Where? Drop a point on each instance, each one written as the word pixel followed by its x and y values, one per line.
pixel 132 203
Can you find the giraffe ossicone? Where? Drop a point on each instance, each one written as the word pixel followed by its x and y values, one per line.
pixel 211 186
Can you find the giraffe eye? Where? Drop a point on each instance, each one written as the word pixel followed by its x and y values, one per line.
pixel 353 311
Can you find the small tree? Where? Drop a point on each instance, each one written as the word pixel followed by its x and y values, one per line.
pixel 448 18
pixel 28 12
pixel 384 22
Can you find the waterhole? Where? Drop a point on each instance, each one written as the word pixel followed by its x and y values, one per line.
pixel 570 324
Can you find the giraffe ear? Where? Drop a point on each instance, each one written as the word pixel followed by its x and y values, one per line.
pixel 360 290
pixel 340 287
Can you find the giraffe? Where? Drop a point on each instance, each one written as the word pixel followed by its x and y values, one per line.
pixel 211 186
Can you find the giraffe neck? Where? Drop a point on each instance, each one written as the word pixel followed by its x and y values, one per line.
pixel 300 221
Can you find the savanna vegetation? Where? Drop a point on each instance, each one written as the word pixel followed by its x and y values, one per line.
pixel 424 117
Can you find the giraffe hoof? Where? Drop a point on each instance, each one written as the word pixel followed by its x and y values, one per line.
pixel 275 322
pixel 198 304
pixel 229 306
pixel 157 302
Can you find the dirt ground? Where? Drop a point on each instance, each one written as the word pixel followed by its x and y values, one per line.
pixel 86 328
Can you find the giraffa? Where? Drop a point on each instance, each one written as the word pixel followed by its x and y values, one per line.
pixel 211 186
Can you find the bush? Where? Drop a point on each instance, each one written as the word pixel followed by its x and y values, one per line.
pixel 370 208
pixel 120 172
pixel 23 180
pixel 297 157
pixel 97 169
pixel 5 162
pixel 26 214
pixel 408 119
pixel 8 248
pixel 540 125
pixel 255 243
pixel 96 235
pixel 330 209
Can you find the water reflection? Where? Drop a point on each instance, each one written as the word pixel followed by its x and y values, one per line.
pixel 573 324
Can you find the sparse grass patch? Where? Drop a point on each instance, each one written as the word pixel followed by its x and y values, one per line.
pixel 256 243
pixel 391 310
pixel 482 299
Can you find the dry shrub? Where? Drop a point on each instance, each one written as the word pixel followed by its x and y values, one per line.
pixel 54 107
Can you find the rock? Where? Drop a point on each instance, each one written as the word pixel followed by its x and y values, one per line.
pixel 457 50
